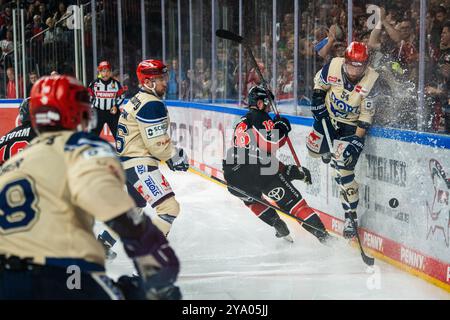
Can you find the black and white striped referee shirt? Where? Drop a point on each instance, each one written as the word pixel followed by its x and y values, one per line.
pixel 106 94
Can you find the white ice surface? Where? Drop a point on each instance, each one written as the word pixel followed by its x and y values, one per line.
pixel 228 253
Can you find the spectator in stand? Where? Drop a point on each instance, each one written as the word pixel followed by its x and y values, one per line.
pixel 285 82
pixel 43 12
pixel 406 49
pixel 325 40
pixel 61 15
pixel 11 85
pixel 37 27
pixel 201 80
pixel 439 17
pixel 253 78
pixel 439 86
pixel 174 81
pixel 6 45
pixel 32 78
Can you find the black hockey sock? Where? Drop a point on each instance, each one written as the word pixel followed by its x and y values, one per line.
pixel 314 221
pixel 270 217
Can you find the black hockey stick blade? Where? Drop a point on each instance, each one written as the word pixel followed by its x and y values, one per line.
pixel 225 34
pixel 366 259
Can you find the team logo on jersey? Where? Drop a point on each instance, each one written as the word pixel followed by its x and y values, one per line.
pixel 276 194
pixel 438 212
pixel 113 85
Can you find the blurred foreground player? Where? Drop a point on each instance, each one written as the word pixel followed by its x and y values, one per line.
pixel 251 165
pixel 50 195
pixel 18 138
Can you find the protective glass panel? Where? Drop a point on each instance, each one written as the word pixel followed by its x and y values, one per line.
pixel 227 52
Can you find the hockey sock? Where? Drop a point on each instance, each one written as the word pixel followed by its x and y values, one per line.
pixel 266 214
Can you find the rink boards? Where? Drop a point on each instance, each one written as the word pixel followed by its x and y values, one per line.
pixel 407 166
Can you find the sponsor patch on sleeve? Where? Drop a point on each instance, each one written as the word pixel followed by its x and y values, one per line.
pixel 156 130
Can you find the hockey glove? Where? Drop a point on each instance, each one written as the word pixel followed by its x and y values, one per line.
pixel 318 108
pixel 319 112
pixel 282 124
pixel 179 162
pixel 295 173
pixel 156 263
pixel 352 151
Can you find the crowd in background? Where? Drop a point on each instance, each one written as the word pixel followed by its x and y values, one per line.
pixel 393 42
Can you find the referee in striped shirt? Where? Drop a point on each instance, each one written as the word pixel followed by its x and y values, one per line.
pixel 107 94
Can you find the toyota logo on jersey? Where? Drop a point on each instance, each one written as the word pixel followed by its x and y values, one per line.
pixel 276 194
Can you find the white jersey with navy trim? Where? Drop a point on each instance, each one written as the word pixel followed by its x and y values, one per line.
pixel 51 192
pixel 106 94
pixel 143 131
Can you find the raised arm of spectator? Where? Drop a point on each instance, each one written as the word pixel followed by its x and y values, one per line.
pixel 375 35
pixel 392 32
pixel 331 39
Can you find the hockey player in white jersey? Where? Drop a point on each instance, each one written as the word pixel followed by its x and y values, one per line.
pixel 50 194
pixel 143 141
pixel 343 96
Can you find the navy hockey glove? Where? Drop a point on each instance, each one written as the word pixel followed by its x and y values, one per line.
pixel 295 173
pixel 282 124
pixel 353 150
pixel 179 162
pixel 318 108
pixel 156 263
pixel 319 112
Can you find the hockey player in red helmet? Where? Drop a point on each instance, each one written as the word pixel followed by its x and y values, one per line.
pixel 343 96
pixel 143 141
pixel 356 61
pixel 152 75
pixel 55 189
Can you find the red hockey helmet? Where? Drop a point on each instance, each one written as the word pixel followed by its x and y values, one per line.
pixel 59 102
pixel 103 65
pixel 150 69
pixel 356 61
pixel 357 54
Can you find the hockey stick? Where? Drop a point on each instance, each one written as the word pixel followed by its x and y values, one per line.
pixel 259 200
pixel 367 260
pixel 226 34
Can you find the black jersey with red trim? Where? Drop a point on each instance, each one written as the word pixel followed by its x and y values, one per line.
pixel 255 141
pixel 15 141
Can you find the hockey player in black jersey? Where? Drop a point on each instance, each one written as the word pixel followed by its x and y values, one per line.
pixel 251 166
pixel 18 138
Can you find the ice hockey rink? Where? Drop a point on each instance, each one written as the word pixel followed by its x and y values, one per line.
pixel 227 253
